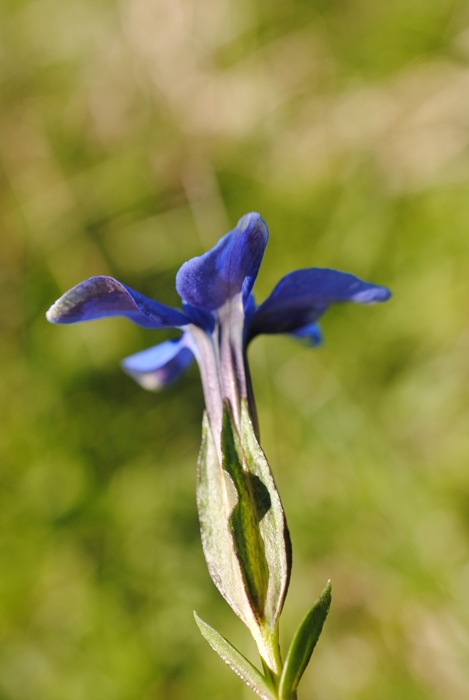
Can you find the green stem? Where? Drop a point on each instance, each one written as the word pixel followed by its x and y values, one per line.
pixel 270 677
pixel 274 676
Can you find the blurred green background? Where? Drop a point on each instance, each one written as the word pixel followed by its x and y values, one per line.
pixel 133 134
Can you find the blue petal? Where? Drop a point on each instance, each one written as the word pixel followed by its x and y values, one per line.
pixel 303 296
pixel 310 335
pixel 199 317
pixel 229 268
pixel 160 365
pixel 105 296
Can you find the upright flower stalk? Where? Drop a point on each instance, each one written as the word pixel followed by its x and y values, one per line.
pixel 243 528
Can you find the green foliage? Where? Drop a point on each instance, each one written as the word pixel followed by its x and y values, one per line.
pixel 244 533
pixel 303 644
pixel 132 135
pixel 236 661
pixel 252 503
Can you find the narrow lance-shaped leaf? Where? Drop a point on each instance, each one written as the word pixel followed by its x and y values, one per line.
pixel 260 534
pixel 303 645
pixel 253 503
pixel 244 534
pixel 236 661
pixel 216 499
pixel 272 524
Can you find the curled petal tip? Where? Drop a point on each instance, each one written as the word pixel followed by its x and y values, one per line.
pixel 373 295
pixel 69 307
pixel 254 222
pixel 51 314
pixel 102 296
pixel 302 296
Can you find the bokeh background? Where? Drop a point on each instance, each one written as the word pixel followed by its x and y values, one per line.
pixel 132 135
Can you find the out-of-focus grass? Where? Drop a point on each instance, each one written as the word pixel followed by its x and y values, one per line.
pixel 133 135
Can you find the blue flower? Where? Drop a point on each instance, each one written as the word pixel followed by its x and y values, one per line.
pixel 219 316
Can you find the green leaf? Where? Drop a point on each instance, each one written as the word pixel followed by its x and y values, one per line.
pixel 244 533
pixel 253 503
pixel 272 524
pixel 216 499
pixel 236 661
pixel 303 645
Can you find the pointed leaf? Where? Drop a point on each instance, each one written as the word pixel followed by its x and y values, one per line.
pixel 303 645
pixel 253 503
pixel 235 660
pixel 244 534
pixel 216 499
pixel 272 523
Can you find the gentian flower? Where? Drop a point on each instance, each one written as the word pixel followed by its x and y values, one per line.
pixel 219 316
pixel 244 532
